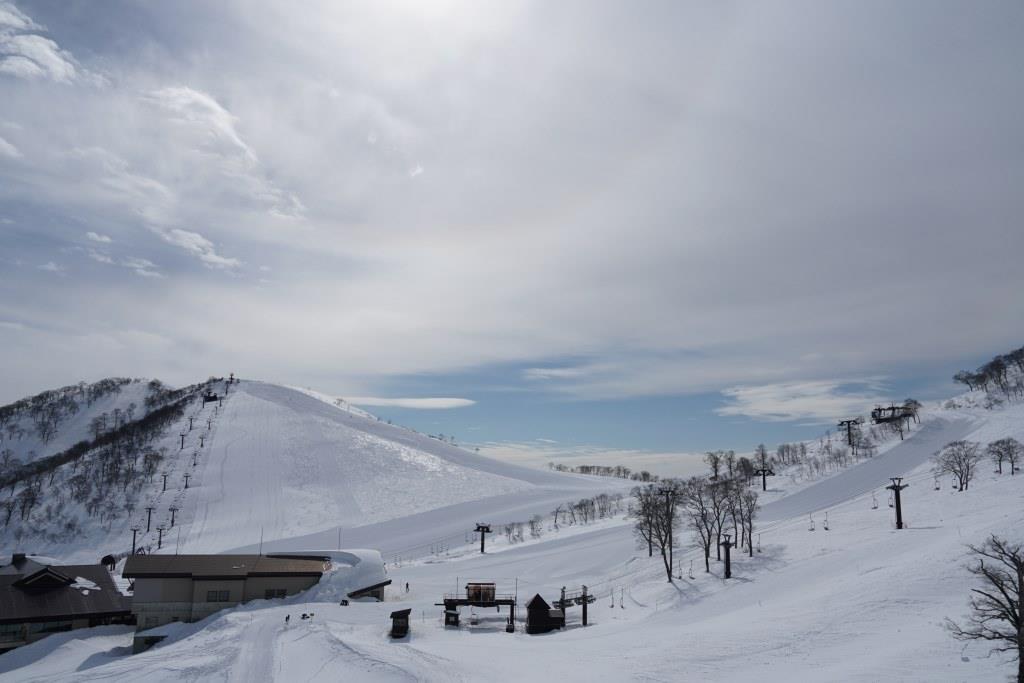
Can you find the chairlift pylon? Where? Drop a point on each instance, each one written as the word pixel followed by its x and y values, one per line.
pixel 811 528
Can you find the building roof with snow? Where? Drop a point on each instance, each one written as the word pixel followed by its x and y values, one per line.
pixel 222 566
pixel 31 592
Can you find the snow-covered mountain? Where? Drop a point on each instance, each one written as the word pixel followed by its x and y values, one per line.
pixel 858 601
pixel 262 462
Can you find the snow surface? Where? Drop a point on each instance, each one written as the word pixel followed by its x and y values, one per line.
pixel 860 602
pixel 294 469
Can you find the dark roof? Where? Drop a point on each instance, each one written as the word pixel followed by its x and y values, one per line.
pixel 221 566
pixel 537 602
pixel 61 601
pixel 398 614
pixel 43 580
pixel 21 565
pixel 360 592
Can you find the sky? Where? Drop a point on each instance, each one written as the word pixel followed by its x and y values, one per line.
pixel 631 226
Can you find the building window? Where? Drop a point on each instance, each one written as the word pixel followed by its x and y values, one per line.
pixel 218 596
pixel 49 627
pixel 11 632
pixel 272 593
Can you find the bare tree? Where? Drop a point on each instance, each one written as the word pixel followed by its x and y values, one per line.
pixel 696 502
pixel 746 500
pixel 714 461
pixel 644 510
pixel 997 611
pixel 960 459
pixel 1005 450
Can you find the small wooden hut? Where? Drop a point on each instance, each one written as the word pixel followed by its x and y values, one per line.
pixel 541 618
pixel 400 623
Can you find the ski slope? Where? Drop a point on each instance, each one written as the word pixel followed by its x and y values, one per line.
pixel 873 473
pixel 809 606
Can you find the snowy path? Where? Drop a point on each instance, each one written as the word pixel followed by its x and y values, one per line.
pixel 870 474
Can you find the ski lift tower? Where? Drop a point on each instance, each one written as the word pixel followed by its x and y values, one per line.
pixel 482 529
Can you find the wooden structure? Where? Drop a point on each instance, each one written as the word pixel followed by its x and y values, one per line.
pixel 400 623
pixel 893 413
pixel 209 397
pixel 541 617
pixel 477 595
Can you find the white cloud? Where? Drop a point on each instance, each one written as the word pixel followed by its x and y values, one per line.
pixel 417 403
pixel 51 267
pixel 195 243
pixel 142 267
pixel 816 402
pixel 100 257
pixel 200 110
pixel 32 56
pixel 8 150
pixel 13 18
pixel 96 237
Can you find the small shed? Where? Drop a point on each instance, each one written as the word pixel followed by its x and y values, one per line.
pixel 400 623
pixel 209 397
pixel 541 618
pixel 480 592
pixel 451 617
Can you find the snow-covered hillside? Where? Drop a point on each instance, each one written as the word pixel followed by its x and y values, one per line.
pixel 278 464
pixel 860 601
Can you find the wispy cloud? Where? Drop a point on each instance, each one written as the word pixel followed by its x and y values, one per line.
pixel 24 53
pixel 815 402
pixel 417 403
pixel 9 150
pixel 199 110
pixel 142 267
pixel 96 237
pixel 51 267
pixel 198 245
pixel 100 257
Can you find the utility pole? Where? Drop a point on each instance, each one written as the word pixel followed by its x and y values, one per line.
pixel 164 475
pixel 135 530
pixel 149 518
pixel 896 487
pixel 160 537
pixel 728 563
pixel 482 529
pixel 202 437
pixel 194 457
pixel 190 423
pixel 849 425
pixel 187 475
pixel 173 510
pixel 182 435
pixel 584 605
